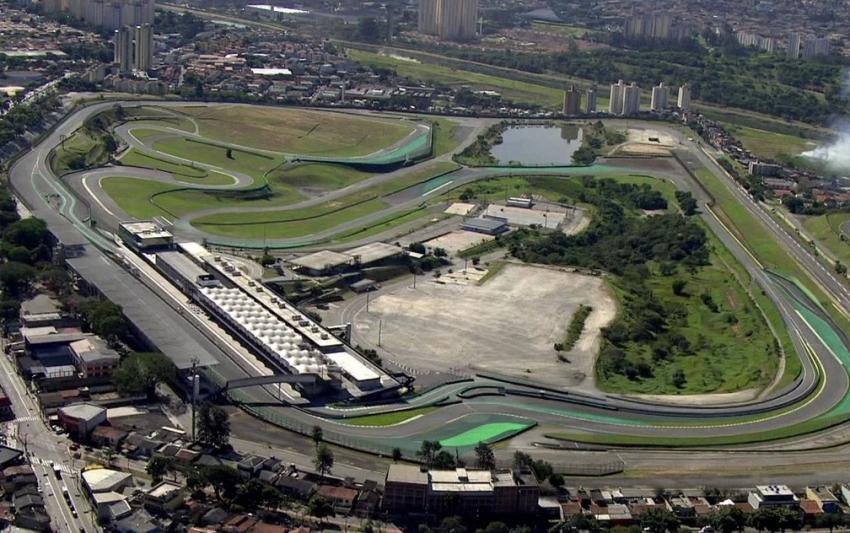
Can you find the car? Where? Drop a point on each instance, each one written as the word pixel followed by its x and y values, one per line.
pixel 74 446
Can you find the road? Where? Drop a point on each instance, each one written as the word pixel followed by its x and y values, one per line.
pixel 43 447
pixel 823 384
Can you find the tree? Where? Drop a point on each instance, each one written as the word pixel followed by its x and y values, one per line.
pixel 16 278
pixel 452 524
pixel 764 519
pixel 368 30
pixel 396 455
pixel 320 507
pixel 484 456
pixel 29 233
pixel 324 460
pixel 556 480
pixel 444 460
pixel 840 268
pixel 225 482
pixel 139 373
pixel 828 521
pixel 428 452
pixel 254 494
pixel 521 460
pixel 679 287
pixel 726 519
pixel 213 426
pixel 317 435
pixel 659 521
pixel 157 467
pixel 678 379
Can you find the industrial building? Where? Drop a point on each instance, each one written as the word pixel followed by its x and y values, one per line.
pixel 453 20
pixel 660 95
pixel 81 419
pixel 409 489
pixel 572 101
pixel 286 340
pixel 486 225
pixel 327 262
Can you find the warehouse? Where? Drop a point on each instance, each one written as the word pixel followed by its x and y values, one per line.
pixel 81 419
pixel 486 225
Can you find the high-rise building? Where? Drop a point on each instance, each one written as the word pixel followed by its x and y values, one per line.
pixel 453 20
pixel 792 50
pixel 51 7
pixel 572 101
pixel 615 100
pixel 657 26
pixel 631 99
pixel 142 47
pixel 816 46
pixel 590 103
pixel 427 22
pixel 123 48
pixel 112 14
pixel 660 95
pixel 684 102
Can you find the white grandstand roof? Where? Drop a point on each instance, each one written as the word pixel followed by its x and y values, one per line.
pixel 267 329
pixel 353 366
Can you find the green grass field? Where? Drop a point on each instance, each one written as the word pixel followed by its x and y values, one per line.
pixel 769 144
pixel 252 164
pixel 133 196
pixel 444 135
pixel 288 224
pixel 299 131
pixel 324 176
pixel 518 91
pixel 826 229
pixel 560 29
pixel 186 173
pixel 389 419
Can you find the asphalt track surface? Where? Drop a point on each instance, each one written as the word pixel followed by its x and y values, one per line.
pixel 820 392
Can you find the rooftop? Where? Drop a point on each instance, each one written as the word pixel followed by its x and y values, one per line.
pixel 323 260
pixel 489 224
pixel 403 473
pixel 83 411
pixel 104 479
pixel 369 253
pixel 40 304
pixel 93 349
pixel 164 489
pixel 146 230
pixel 352 366
pixel 182 264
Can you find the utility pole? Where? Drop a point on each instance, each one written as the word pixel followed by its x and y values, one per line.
pixel 380 330
pixel 367 301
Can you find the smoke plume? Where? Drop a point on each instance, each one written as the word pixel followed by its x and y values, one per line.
pixel 836 155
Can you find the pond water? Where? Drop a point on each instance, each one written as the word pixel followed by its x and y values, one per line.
pixel 538 145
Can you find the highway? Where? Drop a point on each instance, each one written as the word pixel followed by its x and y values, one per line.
pixel 67 203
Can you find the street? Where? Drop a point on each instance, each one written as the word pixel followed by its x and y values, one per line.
pixel 29 432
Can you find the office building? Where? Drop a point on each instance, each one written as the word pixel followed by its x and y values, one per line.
pixel 123 49
pixel 631 100
pixel 572 101
pixel 792 49
pixel 142 47
pixel 453 20
pixel 816 46
pixel 615 100
pixel 660 95
pixel 590 101
pixel 409 489
pixel 684 101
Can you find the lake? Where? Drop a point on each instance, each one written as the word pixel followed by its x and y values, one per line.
pixel 538 145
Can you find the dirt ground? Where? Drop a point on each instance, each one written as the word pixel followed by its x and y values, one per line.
pixel 507 326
